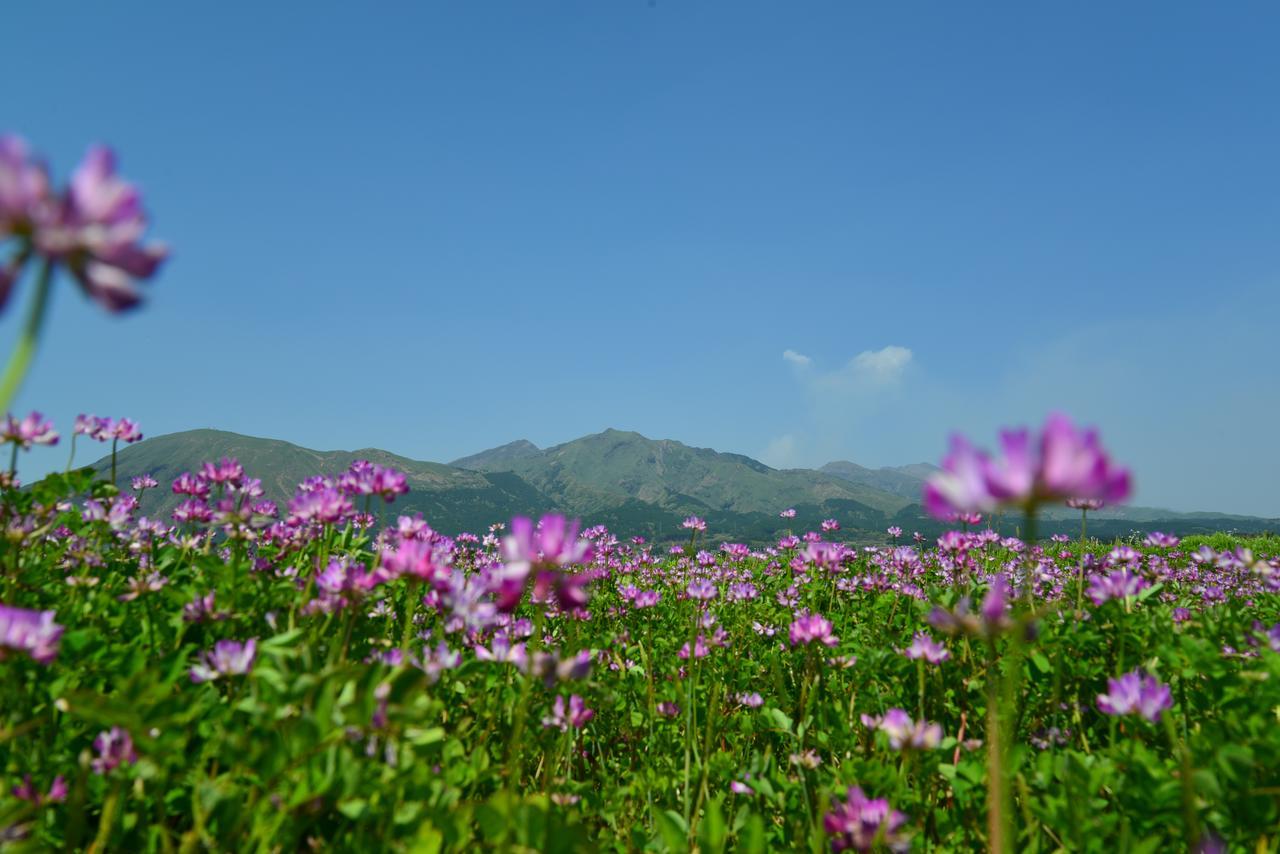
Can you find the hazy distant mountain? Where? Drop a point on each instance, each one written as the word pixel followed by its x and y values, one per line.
pixel 618 464
pixel 635 485
pixel 906 481
pixel 498 459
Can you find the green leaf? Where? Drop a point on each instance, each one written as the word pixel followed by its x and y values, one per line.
pixel 711 830
pixel 779 718
pixel 673 829
pixel 751 839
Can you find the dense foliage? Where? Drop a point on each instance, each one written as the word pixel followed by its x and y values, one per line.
pixel 243 677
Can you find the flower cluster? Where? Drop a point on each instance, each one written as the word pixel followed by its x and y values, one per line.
pixel 859 823
pixel 32 632
pixel 1063 463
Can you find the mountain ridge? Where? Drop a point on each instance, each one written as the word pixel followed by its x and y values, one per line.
pixel 622 479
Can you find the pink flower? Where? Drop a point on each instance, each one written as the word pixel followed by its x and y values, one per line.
pixel 115 748
pixel 577 717
pixel 1135 693
pixel 228 658
pixel 808 628
pixel 1065 463
pixel 903 732
pixel 923 646
pixel 32 632
pixel 24 187
pixel 860 824
pixel 26 791
pixel 32 430
pixel 551 547
pixel 96 231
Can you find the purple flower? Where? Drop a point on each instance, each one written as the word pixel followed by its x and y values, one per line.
pixel 923 646
pixel 1086 503
pixel 859 823
pixel 830 525
pixel 668 709
pixel 751 700
pixel 436 661
pixel 1158 540
pixel 32 632
pixel 551 546
pixel 693 523
pixel 228 658
pixel 145 481
pixel 502 650
pixel 96 231
pixel 115 747
pixel 1120 584
pixel 24 187
pixel 26 791
pixel 789 513
pixel 701 588
pixel 32 430
pixel 326 505
pixel 903 732
pixel 1065 463
pixel 577 716
pixel 808 628
pixel 366 478
pixel 1135 693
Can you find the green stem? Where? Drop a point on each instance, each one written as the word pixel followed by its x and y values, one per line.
pixel 23 352
pixel 108 820
pixel 1190 821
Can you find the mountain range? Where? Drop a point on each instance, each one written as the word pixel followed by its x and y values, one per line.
pixel 633 484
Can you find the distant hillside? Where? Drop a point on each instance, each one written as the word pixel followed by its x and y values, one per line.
pixel 498 459
pixel 906 481
pixel 635 485
pixel 618 465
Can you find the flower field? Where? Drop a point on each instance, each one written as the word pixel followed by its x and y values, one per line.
pixel 243 676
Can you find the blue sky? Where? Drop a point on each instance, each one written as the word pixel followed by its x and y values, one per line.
pixel 435 228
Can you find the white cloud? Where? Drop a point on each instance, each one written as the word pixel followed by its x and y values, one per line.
pixel 795 358
pixel 780 452
pixel 883 366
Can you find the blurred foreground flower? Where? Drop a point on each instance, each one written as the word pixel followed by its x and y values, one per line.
pixel 1064 463
pixel 859 823
pixel 32 632
pixel 1135 693
pixel 94 229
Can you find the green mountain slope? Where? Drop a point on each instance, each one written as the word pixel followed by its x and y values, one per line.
pixel 615 465
pixel 635 485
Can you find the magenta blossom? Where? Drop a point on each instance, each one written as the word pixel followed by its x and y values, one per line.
pixel 228 658
pixel 1136 693
pixel 1120 584
pixel 808 628
pixel 551 547
pixel 1065 463
pixel 96 231
pixel 693 523
pixel 903 732
pixel 24 187
pixel 860 824
pixel 26 791
pixel 32 632
pixel 32 430
pixel 925 647
pixel 577 717
pixel 115 748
